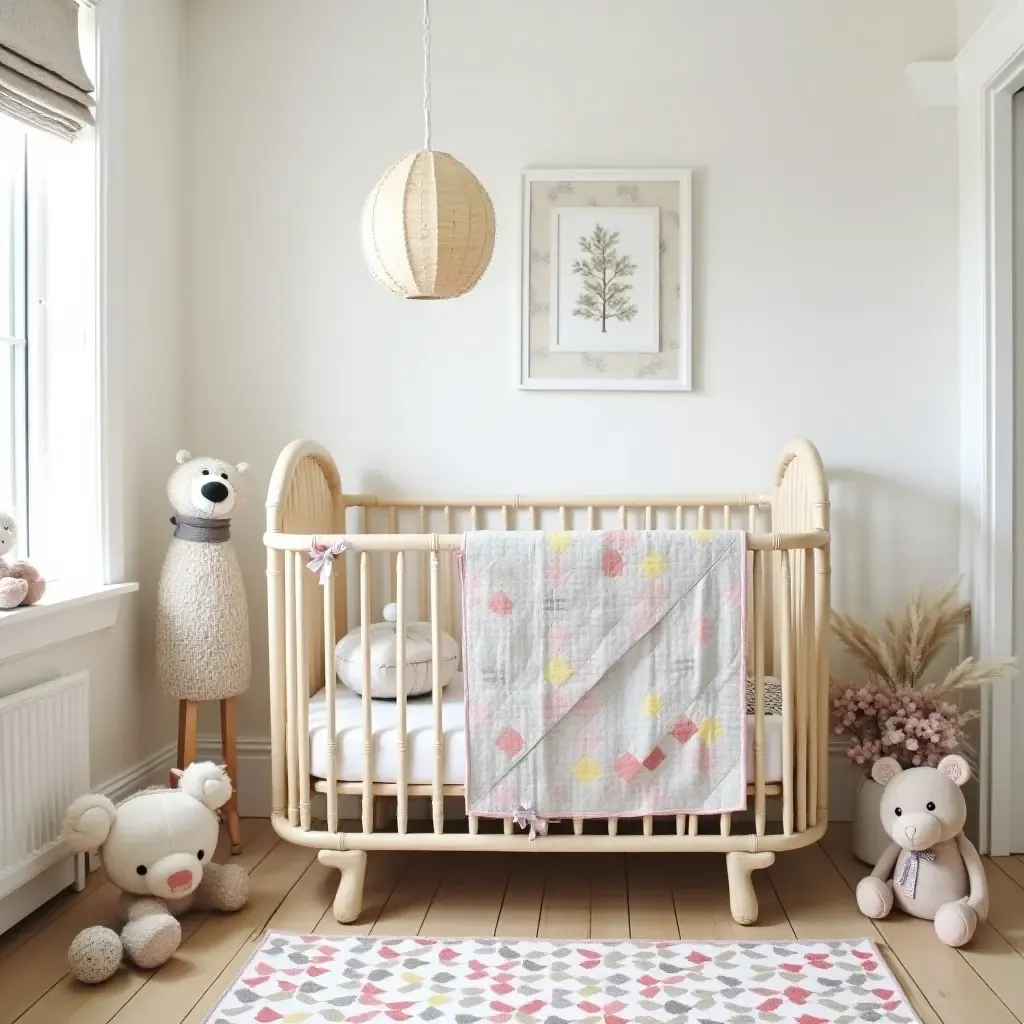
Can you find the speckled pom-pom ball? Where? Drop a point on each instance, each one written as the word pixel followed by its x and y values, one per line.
pixel 95 955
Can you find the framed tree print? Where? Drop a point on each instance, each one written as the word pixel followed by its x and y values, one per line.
pixel 606 292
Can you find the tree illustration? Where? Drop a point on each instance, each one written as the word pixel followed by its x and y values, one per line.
pixel 606 292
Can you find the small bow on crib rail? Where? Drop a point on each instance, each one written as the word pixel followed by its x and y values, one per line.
pixel 525 817
pixel 908 873
pixel 321 559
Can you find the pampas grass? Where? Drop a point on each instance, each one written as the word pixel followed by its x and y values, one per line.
pixel 899 656
pixel 895 713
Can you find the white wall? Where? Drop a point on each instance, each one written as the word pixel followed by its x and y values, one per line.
pixel 969 16
pixel 143 65
pixel 825 255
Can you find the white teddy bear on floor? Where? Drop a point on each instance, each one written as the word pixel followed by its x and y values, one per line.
pixel 156 847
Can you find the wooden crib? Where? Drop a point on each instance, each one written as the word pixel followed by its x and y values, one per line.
pixel 393 555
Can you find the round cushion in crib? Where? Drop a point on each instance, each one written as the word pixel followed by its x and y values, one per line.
pixel 348 659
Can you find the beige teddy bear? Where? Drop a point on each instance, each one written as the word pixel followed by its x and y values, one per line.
pixel 20 582
pixel 931 869
pixel 156 847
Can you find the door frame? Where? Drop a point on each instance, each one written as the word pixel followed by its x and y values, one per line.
pixel 990 69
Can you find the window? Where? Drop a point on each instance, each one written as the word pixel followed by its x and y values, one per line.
pixel 49 375
pixel 13 331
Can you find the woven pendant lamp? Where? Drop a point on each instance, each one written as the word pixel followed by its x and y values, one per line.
pixel 428 224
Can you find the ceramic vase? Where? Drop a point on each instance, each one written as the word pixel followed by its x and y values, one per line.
pixel 870 840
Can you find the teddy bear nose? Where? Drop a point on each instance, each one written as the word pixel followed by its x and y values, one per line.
pixel 911 831
pixel 214 491
pixel 179 879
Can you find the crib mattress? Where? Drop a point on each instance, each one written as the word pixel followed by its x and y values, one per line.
pixel 419 717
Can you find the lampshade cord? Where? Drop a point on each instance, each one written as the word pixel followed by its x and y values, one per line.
pixel 426 75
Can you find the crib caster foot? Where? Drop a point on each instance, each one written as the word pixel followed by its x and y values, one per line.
pixel 348 903
pixel 742 898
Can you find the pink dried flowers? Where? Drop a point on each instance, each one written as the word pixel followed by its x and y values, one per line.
pixel 894 713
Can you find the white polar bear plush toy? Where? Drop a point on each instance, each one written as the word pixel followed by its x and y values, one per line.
pixel 156 847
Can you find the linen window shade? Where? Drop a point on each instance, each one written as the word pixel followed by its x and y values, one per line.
pixel 43 82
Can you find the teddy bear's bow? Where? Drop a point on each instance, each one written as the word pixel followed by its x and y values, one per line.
pixel 908 873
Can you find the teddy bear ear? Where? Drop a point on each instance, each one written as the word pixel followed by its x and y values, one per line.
pixel 206 782
pixel 885 770
pixel 182 457
pixel 955 768
pixel 242 467
pixel 87 822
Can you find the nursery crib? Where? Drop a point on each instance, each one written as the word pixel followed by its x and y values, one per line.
pixel 383 755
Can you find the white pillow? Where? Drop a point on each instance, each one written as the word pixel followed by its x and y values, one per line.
pixel 348 659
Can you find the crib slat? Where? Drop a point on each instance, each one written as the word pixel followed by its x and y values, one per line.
pixel 400 666
pixel 726 517
pixel 436 796
pixel 591 519
pixel 474 519
pixel 613 826
pixel 693 825
pixel 507 826
pixel 726 824
pixel 786 658
pixel 392 529
pixel 648 518
pixel 804 722
pixel 577 826
pixel 759 794
pixel 504 517
pixel 563 518
pixel 447 590
pixel 679 517
pixel 341 571
pixel 278 691
pixel 622 517
pixel 423 607
pixel 290 689
pixel 680 824
pixel 702 518
pixel 364 626
pixel 474 825
pixel 302 693
pixel 330 682
pixel 533 517
pixel 648 825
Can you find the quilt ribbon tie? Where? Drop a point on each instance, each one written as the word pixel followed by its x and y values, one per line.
pixel 321 559
pixel 908 873
pixel 526 818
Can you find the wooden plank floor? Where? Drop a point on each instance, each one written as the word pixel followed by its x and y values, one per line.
pixel 806 895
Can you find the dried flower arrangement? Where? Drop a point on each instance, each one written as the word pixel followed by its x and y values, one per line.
pixel 895 713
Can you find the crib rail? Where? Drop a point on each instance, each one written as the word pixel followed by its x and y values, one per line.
pixel 787 636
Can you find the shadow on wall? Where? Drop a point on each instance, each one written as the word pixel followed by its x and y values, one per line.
pixel 888 538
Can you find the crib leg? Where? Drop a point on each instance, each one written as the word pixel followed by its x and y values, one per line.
pixel 348 903
pixel 742 898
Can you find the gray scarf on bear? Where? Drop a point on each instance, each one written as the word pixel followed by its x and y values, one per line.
pixel 201 531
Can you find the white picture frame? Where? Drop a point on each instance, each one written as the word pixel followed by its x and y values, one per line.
pixel 655 352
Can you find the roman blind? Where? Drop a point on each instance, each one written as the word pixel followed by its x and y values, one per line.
pixel 42 79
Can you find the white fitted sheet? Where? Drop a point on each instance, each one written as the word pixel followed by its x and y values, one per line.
pixel 419 719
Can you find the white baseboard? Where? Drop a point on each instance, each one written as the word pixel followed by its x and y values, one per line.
pixel 32 894
pixel 150 771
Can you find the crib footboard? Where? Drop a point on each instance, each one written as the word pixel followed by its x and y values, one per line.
pixel 788 541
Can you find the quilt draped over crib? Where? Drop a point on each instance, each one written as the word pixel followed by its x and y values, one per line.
pixel 605 673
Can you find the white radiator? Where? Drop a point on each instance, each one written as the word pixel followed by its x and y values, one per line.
pixel 44 765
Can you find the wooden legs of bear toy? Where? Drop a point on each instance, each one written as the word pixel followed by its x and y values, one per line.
pixel 742 898
pixel 348 903
pixel 229 743
pixel 188 717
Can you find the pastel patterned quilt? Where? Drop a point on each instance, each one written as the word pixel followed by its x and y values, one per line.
pixel 605 673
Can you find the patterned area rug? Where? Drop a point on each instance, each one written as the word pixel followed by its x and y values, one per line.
pixel 309 978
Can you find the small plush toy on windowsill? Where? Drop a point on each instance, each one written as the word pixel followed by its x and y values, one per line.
pixel 20 582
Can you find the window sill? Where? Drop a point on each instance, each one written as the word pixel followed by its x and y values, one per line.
pixel 65 613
